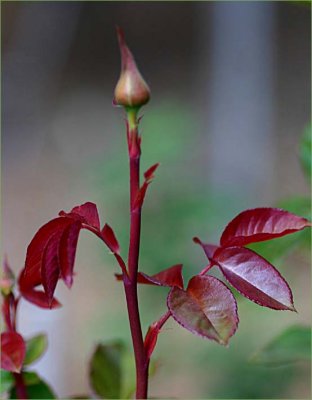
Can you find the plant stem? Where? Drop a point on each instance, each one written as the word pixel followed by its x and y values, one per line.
pixel 20 387
pixel 10 305
pixel 141 360
pixel 206 269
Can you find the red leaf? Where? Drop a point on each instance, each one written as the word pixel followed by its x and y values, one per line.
pixel 207 308
pixel 171 277
pixel 13 351
pixel 67 252
pixel 254 277
pixel 261 224
pixel 40 299
pixel 151 339
pixel 110 239
pixel 50 270
pixel 31 275
pixel 86 213
pixel 51 253
pixel 153 332
pixel 141 195
pixel 149 174
pixel 209 249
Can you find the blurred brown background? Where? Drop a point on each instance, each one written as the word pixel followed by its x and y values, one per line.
pixel 230 99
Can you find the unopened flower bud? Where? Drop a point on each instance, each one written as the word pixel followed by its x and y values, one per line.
pixel 7 279
pixel 131 91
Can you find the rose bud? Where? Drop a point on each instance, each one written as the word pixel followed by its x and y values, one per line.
pixel 131 90
pixel 7 279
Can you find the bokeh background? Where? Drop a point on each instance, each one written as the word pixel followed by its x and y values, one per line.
pixel 230 100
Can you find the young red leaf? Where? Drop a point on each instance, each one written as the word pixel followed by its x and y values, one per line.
pixel 31 275
pixel 110 238
pixel 254 277
pixel 153 332
pixel 67 252
pixel 209 249
pixel 50 271
pixel 51 253
pixel 149 174
pixel 86 213
pixel 261 224
pixel 40 299
pixel 171 277
pixel 151 339
pixel 13 351
pixel 207 308
pixel 141 195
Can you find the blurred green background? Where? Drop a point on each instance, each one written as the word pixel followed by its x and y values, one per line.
pixel 231 100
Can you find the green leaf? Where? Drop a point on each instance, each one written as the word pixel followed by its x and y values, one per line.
pixel 106 371
pixel 7 381
pixel 35 347
pixel 292 345
pixel 31 378
pixel 305 151
pixel 36 387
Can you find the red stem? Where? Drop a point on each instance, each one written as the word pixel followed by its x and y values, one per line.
pixel 141 360
pixel 20 387
pixel 206 269
pixel 9 309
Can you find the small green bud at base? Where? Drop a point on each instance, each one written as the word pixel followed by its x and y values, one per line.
pixel 131 89
pixel 7 279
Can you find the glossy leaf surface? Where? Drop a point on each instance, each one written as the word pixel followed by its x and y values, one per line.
pixel 12 351
pixel 292 345
pixel 261 224
pixel 35 348
pixel 254 277
pixel 105 370
pixel 207 308
pixel 274 250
